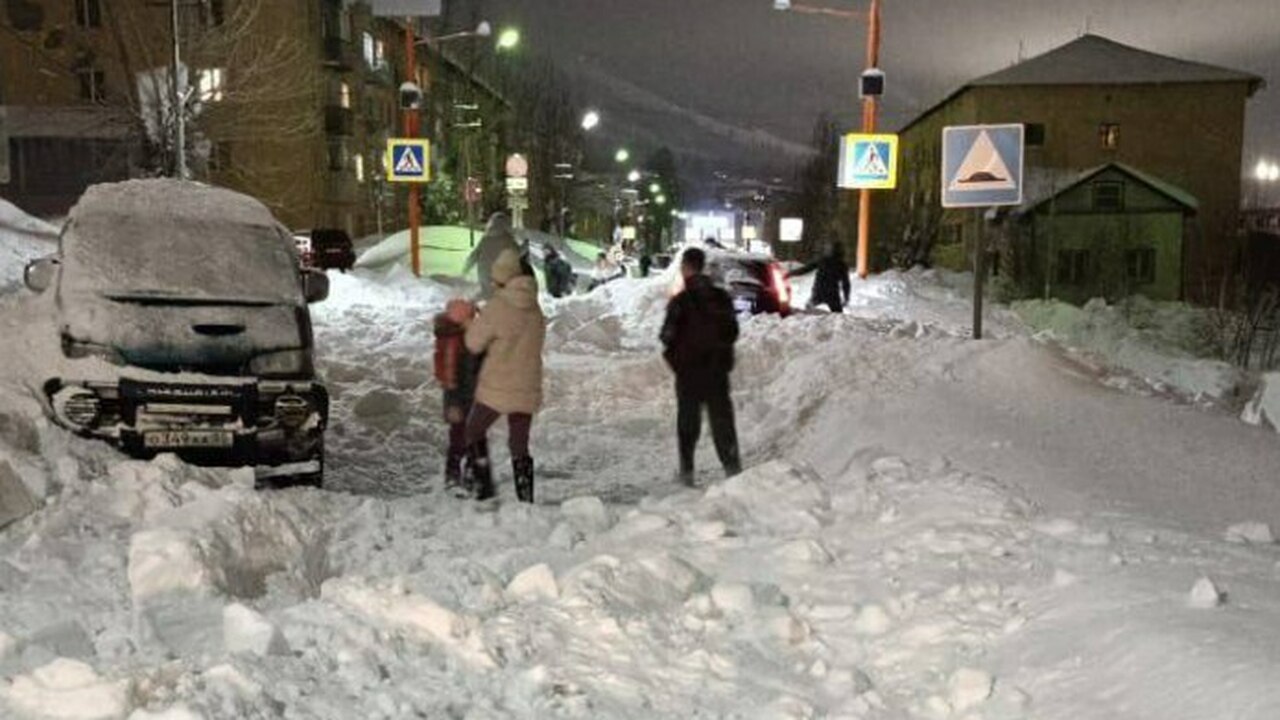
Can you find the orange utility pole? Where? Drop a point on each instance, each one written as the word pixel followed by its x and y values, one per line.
pixel 868 126
pixel 411 131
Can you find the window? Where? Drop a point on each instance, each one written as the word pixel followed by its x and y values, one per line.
pixel 344 95
pixel 89 13
pixel 359 165
pixel 339 157
pixel 1108 196
pixel 92 84
pixel 1073 267
pixel 368 50
pixel 379 54
pixel 1141 264
pixel 1109 134
pixel 215 12
pixel 1034 135
pixel 211 84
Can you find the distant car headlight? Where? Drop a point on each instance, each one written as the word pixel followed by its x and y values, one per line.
pixel 286 363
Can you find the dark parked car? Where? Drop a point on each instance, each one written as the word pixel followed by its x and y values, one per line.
pixel 757 283
pixel 332 250
pixel 182 314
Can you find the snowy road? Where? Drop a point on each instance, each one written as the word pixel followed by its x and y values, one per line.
pixel 935 528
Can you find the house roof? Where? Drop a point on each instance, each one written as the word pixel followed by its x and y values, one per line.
pixel 1096 60
pixel 1044 184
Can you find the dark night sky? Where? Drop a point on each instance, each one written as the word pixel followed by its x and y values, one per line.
pixel 714 76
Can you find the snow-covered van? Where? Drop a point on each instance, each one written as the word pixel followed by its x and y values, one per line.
pixel 181 310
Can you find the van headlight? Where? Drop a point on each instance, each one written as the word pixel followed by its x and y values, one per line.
pixel 78 406
pixel 286 363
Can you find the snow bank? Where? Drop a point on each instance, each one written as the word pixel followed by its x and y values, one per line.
pixel 22 239
pixel 1264 407
pixel 67 690
pixel 1161 342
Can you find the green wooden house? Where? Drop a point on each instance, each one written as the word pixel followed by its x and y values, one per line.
pixel 1110 231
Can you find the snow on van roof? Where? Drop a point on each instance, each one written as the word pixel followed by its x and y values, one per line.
pixel 165 199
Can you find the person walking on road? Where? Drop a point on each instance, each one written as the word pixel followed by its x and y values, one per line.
pixel 698 334
pixel 509 331
pixel 498 236
pixel 831 287
pixel 559 273
pixel 456 371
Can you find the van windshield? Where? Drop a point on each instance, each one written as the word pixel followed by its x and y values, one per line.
pixel 131 258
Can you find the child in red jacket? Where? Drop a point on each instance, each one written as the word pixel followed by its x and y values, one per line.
pixel 456 370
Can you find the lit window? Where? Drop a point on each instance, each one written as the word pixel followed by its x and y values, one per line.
pixel 379 54
pixel 369 50
pixel 1109 134
pixel 344 95
pixel 211 84
pixel 358 161
pixel 88 13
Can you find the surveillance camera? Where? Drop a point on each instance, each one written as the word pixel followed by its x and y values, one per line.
pixel 410 96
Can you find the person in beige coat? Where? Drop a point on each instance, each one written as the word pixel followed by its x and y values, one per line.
pixel 509 331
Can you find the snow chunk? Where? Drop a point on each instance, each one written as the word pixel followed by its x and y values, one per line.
pixel 166 560
pixel 417 616
pixel 781 499
pixel 733 598
pixel 534 583
pixel 586 514
pixel 244 630
pixel 872 620
pixel 1250 533
pixel 969 688
pixel 382 410
pixel 67 690
pixel 1205 595
pixel 1264 408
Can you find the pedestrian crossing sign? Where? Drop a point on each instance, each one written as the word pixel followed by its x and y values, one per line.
pixel 408 160
pixel 868 162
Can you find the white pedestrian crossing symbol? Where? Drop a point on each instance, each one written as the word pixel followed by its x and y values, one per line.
pixel 871 165
pixel 409 163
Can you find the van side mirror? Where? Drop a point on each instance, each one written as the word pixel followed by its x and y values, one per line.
pixel 38 274
pixel 315 285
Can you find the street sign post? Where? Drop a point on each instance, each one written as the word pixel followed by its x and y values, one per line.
pixel 517 168
pixel 408 160
pixel 982 167
pixel 868 162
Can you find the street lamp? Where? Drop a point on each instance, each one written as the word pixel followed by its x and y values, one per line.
pixel 869 102
pixel 622 156
pixel 1267 171
pixel 654 188
pixel 633 176
pixel 661 200
pixel 590 120
pixel 508 39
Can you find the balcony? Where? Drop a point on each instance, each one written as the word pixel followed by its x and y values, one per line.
pixel 339 54
pixel 338 121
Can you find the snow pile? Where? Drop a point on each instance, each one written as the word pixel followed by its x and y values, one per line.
pixel 22 239
pixel 929 528
pixel 1264 407
pixel 1162 343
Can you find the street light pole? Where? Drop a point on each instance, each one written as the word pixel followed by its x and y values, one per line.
pixel 411 131
pixel 868 126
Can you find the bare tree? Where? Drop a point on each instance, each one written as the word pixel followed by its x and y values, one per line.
pixel 249 80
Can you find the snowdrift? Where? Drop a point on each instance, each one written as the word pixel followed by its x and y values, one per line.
pixel 22 239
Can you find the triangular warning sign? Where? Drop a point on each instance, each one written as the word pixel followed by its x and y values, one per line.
pixel 408 164
pixel 871 164
pixel 983 168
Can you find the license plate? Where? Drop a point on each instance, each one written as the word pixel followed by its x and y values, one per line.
pixel 187 439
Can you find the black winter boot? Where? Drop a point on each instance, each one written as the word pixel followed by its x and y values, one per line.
pixel 479 471
pixel 522 468
pixel 453 470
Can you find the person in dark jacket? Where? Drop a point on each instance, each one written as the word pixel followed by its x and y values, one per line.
pixel 698 336
pixel 559 273
pixel 831 287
